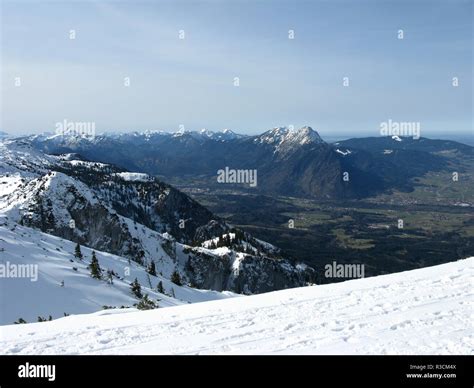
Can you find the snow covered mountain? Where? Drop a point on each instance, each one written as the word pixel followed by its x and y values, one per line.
pixel 283 137
pixel 138 218
pixel 424 311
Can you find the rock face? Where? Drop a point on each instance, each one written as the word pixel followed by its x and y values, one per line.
pixel 141 218
pixel 244 273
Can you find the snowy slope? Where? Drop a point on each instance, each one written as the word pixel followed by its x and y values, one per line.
pixel 22 298
pixel 17 156
pixel 425 311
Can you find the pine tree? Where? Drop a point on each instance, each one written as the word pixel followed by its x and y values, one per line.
pixel 160 288
pixel 136 289
pixel 175 278
pixel 96 271
pixel 152 269
pixel 146 303
pixel 78 253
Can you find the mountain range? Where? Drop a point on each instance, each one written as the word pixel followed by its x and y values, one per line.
pixel 292 162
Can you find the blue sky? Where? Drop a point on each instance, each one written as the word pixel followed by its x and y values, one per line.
pixel 190 82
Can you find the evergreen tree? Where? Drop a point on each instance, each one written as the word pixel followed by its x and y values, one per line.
pixel 136 289
pixel 146 303
pixel 160 288
pixel 96 271
pixel 78 253
pixel 175 278
pixel 152 269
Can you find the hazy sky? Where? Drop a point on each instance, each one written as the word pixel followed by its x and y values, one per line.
pixel 283 81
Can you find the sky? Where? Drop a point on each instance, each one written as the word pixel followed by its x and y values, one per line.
pixel 191 82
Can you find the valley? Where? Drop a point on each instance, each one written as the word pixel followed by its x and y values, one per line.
pixel 355 231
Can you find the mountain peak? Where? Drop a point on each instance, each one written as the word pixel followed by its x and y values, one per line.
pixel 206 132
pixel 225 134
pixel 304 135
pixel 273 136
pixel 284 138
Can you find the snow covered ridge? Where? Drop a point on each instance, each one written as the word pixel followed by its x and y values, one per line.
pixel 275 136
pixel 18 156
pixel 76 140
pixel 424 311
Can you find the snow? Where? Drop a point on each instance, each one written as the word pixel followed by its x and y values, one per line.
pixel 285 138
pixel 273 136
pixel 343 153
pixel 133 176
pixel 286 141
pixel 225 134
pixel 17 156
pixel 21 297
pixel 304 135
pixel 56 184
pixel 424 311
pixel 9 184
pixel 83 163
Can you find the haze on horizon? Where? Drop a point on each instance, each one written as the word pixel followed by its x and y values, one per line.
pixel 190 82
